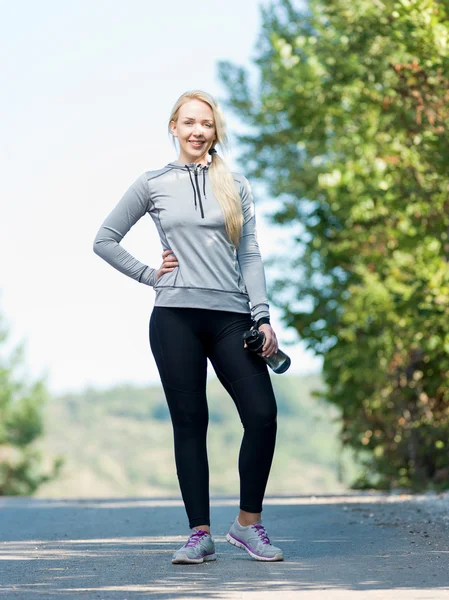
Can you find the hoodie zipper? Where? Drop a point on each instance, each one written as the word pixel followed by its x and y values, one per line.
pixel 196 171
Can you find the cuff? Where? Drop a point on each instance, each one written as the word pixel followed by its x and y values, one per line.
pixel 261 321
pixel 148 276
pixel 260 310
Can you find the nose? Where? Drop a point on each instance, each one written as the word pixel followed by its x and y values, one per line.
pixel 197 130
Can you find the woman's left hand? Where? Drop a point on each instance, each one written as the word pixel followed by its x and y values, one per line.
pixel 271 344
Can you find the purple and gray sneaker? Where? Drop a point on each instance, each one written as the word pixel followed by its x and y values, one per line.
pixel 254 540
pixel 200 547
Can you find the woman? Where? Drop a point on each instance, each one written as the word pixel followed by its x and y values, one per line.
pixel 211 270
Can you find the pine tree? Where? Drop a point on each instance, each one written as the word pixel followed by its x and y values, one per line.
pixel 21 424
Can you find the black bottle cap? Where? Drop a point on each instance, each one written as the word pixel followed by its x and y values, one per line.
pixel 254 339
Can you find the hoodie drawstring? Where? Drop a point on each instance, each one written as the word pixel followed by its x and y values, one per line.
pixel 204 184
pixel 197 188
pixel 194 191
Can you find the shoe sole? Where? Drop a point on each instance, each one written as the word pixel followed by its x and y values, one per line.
pixel 193 561
pixel 234 542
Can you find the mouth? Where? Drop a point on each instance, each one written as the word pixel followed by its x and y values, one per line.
pixel 196 144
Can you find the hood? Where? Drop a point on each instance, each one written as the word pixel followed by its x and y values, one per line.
pixel 184 166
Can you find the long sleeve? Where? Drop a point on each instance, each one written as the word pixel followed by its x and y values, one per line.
pixel 134 204
pixel 249 257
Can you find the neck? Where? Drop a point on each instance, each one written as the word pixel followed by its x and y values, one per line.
pixel 201 160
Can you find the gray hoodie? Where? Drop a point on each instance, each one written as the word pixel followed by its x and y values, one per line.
pixel 211 273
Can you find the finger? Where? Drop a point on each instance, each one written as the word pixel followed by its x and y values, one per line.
pixel 271 340
pixel 274 349
pixel 271 344
pixel 268 344
pixel 270 349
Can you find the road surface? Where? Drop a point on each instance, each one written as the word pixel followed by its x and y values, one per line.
pixel 355 546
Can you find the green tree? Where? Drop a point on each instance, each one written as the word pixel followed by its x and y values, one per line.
pixel 349 130
pixel 21 424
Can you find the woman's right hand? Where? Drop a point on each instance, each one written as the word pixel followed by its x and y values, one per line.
pixel 168 264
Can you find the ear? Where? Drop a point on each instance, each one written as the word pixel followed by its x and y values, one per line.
pixel 173 127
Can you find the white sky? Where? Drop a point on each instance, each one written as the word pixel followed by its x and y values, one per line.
pixel 87 90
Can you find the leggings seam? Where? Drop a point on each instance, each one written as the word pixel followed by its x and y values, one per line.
pixel 247 377
pixel 236 380
pixel 160 349
pixel 230 385
pixel 170 387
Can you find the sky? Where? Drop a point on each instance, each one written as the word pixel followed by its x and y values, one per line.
pixel 87 90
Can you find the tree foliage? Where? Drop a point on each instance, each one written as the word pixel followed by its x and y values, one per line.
pixel 21 424
pixel 349 130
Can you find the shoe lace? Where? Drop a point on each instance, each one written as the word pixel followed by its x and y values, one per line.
pixel 260 529
pixel 195 538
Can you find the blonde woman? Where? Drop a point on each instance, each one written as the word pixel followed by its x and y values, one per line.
pixel 210 289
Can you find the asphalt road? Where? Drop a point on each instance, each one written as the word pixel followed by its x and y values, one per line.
pixel 356 546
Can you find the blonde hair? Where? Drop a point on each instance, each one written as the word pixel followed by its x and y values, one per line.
pixel 221 177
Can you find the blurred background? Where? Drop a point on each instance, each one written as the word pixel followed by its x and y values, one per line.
pixel 336 113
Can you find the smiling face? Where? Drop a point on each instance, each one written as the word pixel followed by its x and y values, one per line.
pixel 195 130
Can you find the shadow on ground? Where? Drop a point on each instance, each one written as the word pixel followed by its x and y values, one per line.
pixel 122 548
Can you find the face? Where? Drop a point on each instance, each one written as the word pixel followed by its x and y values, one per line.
pixel 195 130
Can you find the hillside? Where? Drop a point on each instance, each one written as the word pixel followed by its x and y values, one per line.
pixel 119 442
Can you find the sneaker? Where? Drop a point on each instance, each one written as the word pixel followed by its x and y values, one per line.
pixel 199 548
pixel 254 540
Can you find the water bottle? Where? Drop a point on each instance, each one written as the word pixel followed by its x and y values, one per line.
pixel 255 340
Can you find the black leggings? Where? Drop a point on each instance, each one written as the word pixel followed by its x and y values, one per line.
pixel 181 340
